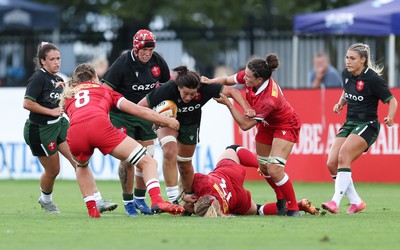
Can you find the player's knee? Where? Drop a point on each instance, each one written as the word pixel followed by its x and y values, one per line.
pixel 276 160
pixel 81 163
pixel 262 160
pixel 166 139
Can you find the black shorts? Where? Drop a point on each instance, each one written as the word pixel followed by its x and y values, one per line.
pixel 367 130
pixel 43 139
pixel 189 134
pixel 135 127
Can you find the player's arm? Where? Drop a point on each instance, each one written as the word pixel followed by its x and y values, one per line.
pixel 225 80
pixel 244 122
pixel 238 97
pixel 35 107
pixel 339 106
pixel 144 102
pixel 389 119
pixel 146 113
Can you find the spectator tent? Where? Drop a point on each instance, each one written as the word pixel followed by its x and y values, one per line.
pixel 372 18
pixel 25 14
pixel 21 22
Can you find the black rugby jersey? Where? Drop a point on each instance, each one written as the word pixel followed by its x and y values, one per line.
pixel 134 79
pixel 41 88
pixel 188 113
pixel 363 93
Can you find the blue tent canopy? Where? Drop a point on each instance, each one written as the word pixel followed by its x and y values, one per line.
pixel 25 14
pixel 372 17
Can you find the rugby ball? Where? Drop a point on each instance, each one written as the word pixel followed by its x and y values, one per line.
pixel 167 108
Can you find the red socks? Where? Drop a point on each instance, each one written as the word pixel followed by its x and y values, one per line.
pixel 288 191
pixel 153 188
pixel 269 209
pixel 92 209
pixel 278 192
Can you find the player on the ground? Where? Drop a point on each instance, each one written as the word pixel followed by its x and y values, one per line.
pixel 221 192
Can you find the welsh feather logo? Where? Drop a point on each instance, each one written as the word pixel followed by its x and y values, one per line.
pixel 156 71
pixel 360 85
pixel 52 146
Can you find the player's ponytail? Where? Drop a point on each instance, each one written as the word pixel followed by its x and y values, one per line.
pixel 364 51
pixel 264 68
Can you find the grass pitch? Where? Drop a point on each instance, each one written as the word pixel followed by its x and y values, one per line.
pixel 23 224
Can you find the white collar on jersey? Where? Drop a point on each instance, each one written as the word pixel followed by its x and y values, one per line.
pixel 133 57
pixel 263 86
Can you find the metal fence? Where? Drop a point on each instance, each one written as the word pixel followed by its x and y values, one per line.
pixel 334 46
pixel 16 53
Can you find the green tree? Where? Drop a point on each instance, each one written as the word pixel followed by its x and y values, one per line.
pixel 207 25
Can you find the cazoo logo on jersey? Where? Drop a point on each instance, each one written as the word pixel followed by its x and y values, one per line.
pixel 189 109
pixel 139 87
pixel 359 98
pixel 55 95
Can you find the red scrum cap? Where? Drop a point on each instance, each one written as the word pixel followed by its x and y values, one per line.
pixel 143 39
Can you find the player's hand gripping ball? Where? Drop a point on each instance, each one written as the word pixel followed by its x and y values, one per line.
pixel 167 108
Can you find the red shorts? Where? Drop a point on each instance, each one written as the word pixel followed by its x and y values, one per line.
pixel 265 134
pixel 84 137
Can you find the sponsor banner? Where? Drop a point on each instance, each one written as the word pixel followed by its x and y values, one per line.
pixel 319 128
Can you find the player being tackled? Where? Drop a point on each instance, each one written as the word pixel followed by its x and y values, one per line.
pixel 221 192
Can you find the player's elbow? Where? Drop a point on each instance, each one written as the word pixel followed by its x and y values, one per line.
pixel 26 104
pixel 245 126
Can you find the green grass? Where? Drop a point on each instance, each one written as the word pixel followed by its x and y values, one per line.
pixel 23 224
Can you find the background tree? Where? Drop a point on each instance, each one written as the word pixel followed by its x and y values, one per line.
pixel 206 27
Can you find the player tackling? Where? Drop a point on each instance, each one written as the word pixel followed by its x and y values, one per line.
pixel 87 103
